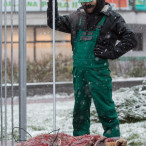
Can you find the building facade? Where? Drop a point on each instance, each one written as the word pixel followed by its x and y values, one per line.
pixel 39 36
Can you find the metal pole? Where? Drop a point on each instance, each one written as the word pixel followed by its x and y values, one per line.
pixel 22 69
pixel 54 95
pixel 12 91
pixel 1 108
pixel 34 51
pixel 5 34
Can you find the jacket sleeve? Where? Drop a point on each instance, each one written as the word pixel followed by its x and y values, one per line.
pixel 62 23
pixel 125 35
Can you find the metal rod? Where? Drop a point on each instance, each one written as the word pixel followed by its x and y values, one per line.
pixel 54 90
pixel 5 46
pixel 12 89
pixel 5 34
pixel 1 94
pixel 22 69
pixel 34 44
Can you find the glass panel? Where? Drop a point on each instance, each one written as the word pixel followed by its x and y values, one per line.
pixel 8 34
pixel 30 51
pixel 43 50
pixel 15 52
pixel 15 34
pixel 43 34
pixel 30 34
pixel 46 34
pixel 64 48
pixel 62 36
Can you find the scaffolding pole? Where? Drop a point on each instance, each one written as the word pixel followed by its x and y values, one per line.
pixel 22 69
pixel 12 82
pixel 1 105
pixel 54 87
pixel 5 46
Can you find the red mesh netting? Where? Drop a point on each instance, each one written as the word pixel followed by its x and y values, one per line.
pixel 62 139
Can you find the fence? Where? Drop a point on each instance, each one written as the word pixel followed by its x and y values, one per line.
pixel 22 72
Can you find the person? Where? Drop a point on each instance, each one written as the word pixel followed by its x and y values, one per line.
pixel 95 29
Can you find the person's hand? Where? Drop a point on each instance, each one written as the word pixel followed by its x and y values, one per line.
pixel 103 52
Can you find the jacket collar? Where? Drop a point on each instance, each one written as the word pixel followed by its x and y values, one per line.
pixel 106 9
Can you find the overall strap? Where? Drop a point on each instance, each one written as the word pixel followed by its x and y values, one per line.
pixel 101 22
pixel 82 21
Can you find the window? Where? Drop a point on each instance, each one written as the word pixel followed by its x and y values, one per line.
pixel 39 42
pixel 139 37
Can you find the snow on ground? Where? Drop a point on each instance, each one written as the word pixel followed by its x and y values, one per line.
pixel 50 96
pixel 40 117
pixel 130 102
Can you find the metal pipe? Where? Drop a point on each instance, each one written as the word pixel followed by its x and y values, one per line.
pixel 54 90
pixel 22 69
pixel 1 94
pixel 34 49
pixel 5 44
pixel 12 89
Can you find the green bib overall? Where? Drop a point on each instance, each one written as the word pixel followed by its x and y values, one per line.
pixel 91 79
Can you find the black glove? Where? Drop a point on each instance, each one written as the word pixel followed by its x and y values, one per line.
pixel 103 52
pixel 50 9
pixel 50 4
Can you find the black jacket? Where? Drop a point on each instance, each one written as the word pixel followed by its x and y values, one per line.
pixel 114 29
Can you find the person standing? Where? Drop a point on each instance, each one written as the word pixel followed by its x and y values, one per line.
pixel 95 29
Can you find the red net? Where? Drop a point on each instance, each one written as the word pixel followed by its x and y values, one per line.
pixel 62 139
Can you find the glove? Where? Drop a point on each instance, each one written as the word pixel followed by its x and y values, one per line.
pixel 50 5
pixel 103 52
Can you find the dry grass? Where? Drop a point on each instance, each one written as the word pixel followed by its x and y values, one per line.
pixel 42 71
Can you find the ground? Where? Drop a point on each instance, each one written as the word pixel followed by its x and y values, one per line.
pixel 129 102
